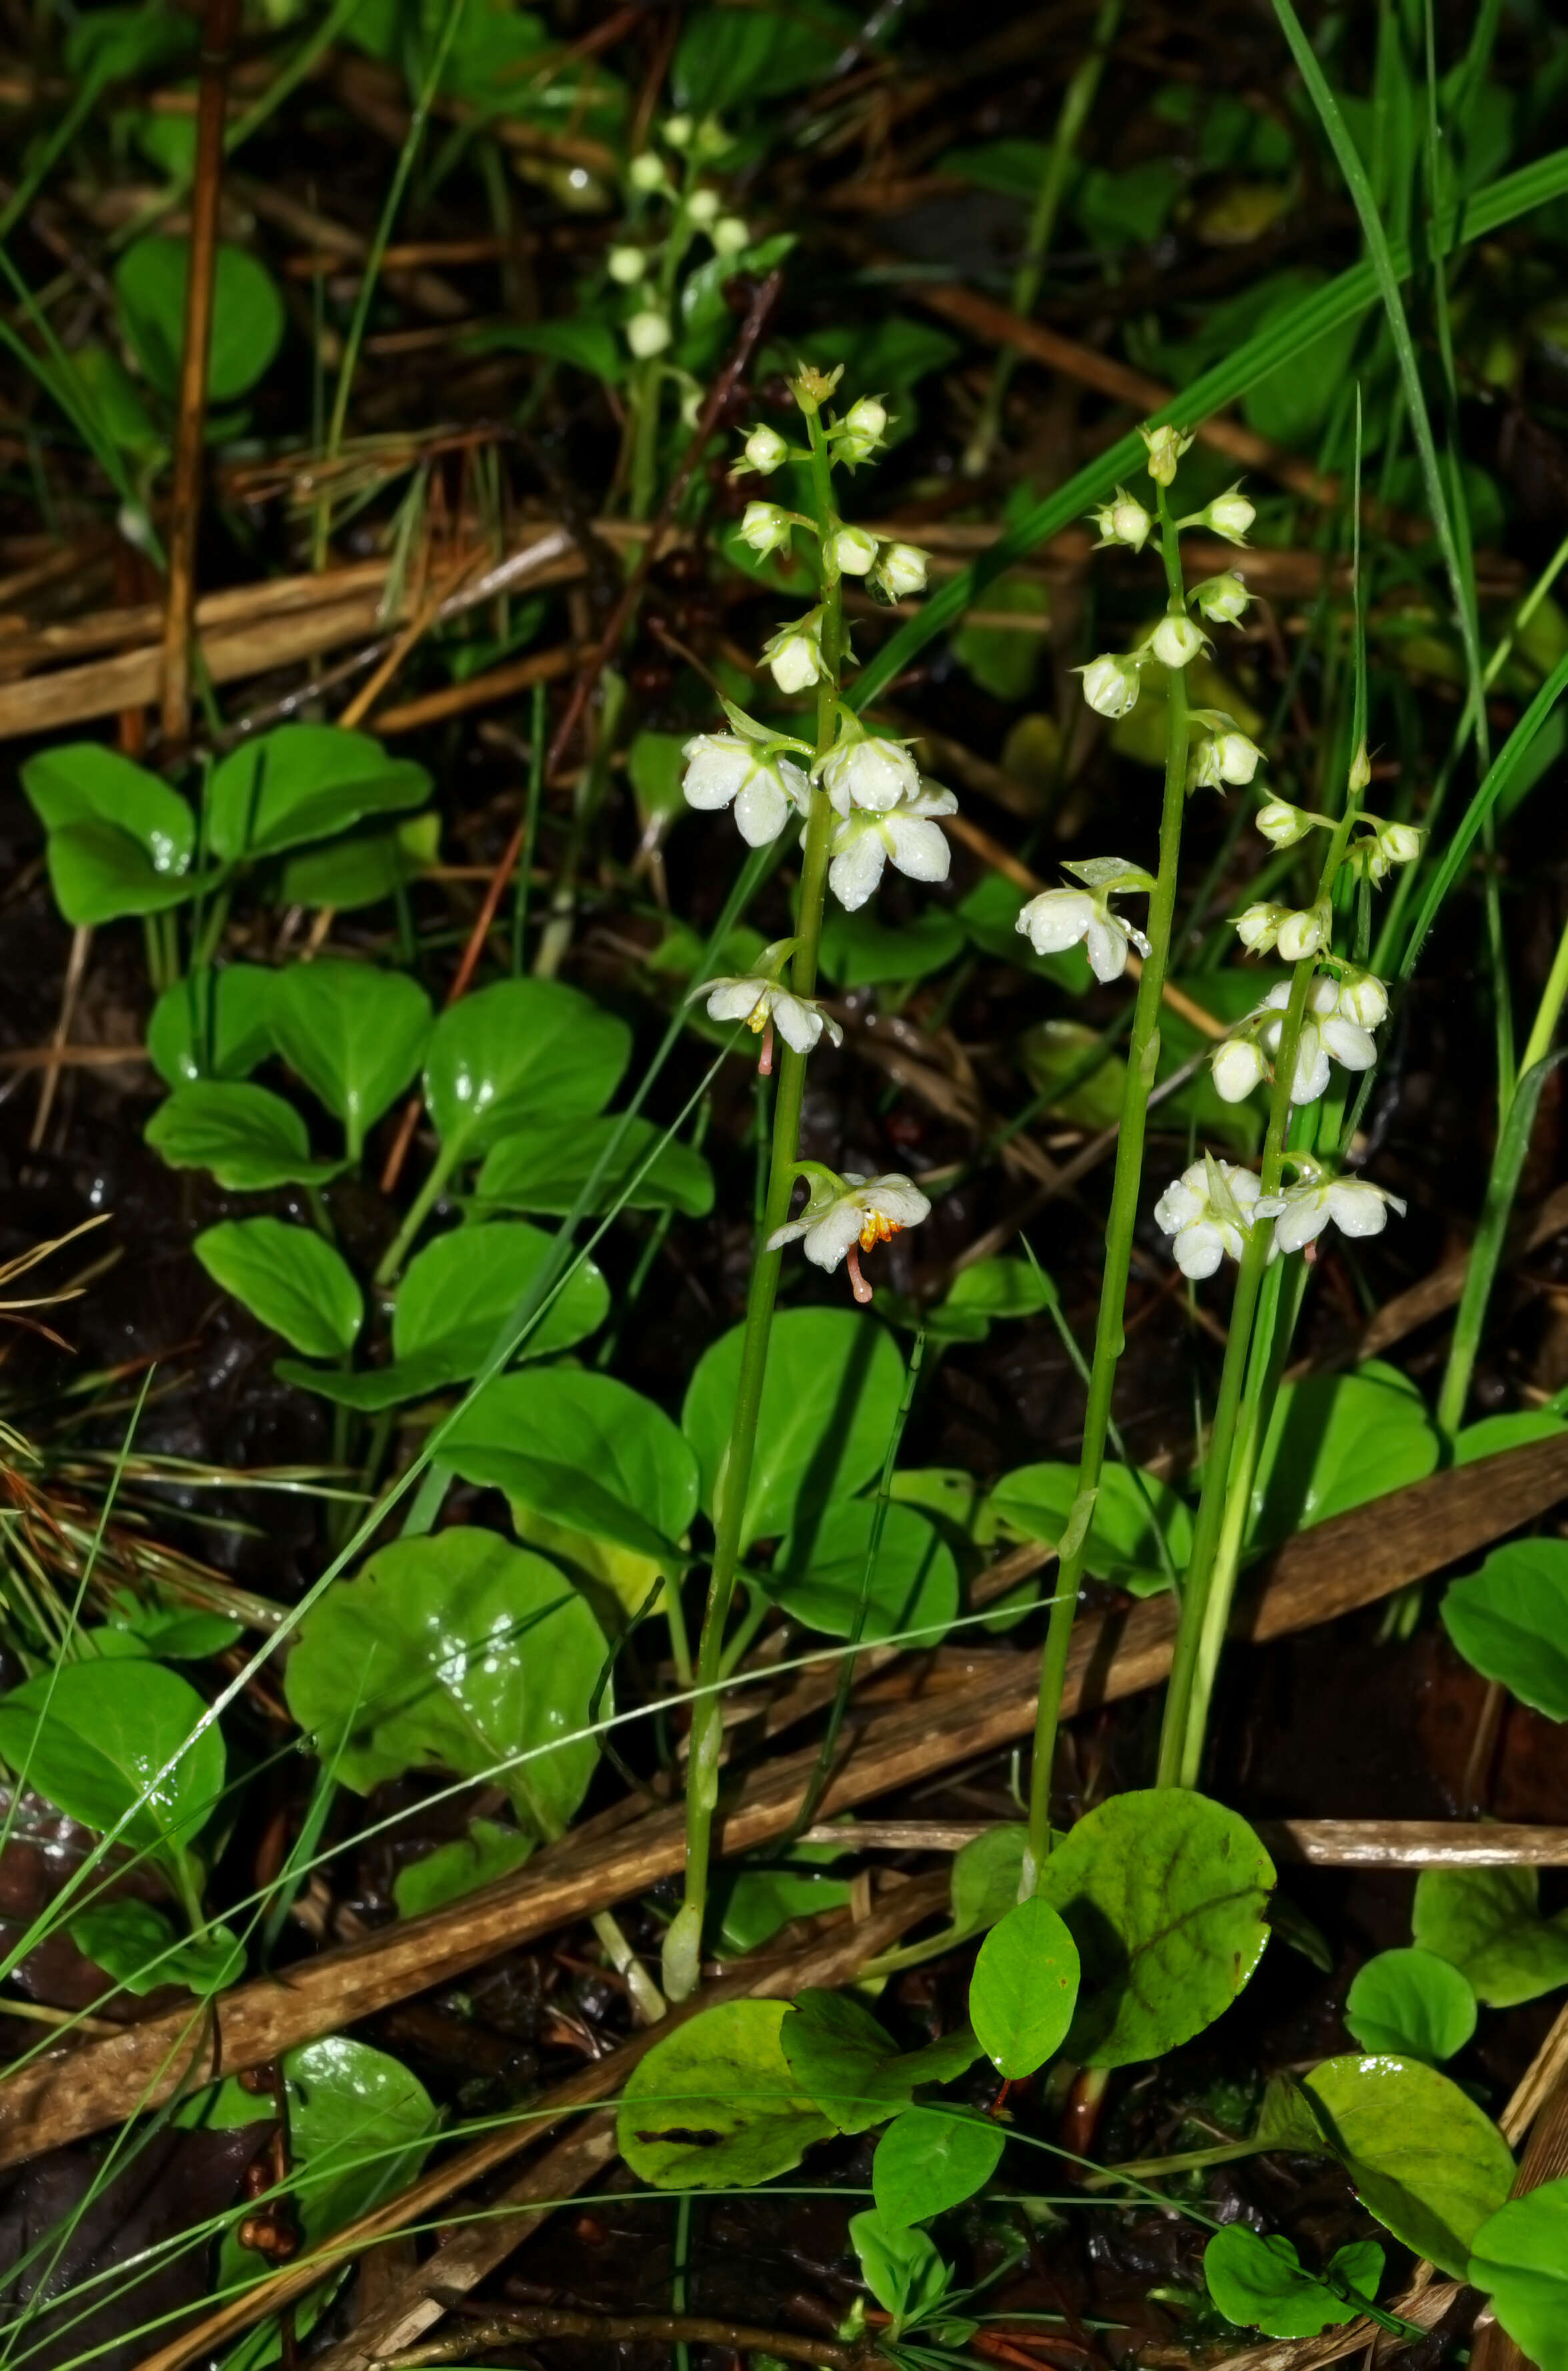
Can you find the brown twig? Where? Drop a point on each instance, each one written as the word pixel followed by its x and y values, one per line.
pixel 519 2325
pixel 220 26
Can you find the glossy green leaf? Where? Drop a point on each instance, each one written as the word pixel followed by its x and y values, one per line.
pixel 112 393
pixel 1260 2283
pixel 249 1138
pixel 136 1944
pixel 82 782
pixel 354 1034
pixel 1487 1922
pixel 546 1166
pixel 1492 1434
pixel 986 1877
pixel 362 867
pixel 1164 1893
pixel 248 315
pixel 290 1279
pixel 1024 1988
pixel 165 1629
pixel 232 1008
pixel 454 1651
pixel 853 2069
pixel 931 2158
pixel 94 1737
pixel 1519 2257
pixel 302 782
pixel 487 1851
pixel 522 1051
pixel 1510 1620
pixel 830 1398
pixel 655 765
pixel 822 1569
pixel 999 1287
pixel 1411 2004
pixel 900 2266
pixel 1130 1513
pixel 1336 1442
pixel 752 1906
pixel 100 875
pixel 861 951
pixel 714 2106
pixel 734 58
pixel 1422 2156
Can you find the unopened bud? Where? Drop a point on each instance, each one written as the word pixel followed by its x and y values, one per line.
pixel 703 207
pixel 1176 641
pixel 1165 446
pixel 646 172
pixel 1110 685
pixel 730 234
pixel 1222 599
pixel 1360 771
pixel 1363 1000
pixel 647 333
pixel 1259 927
pixel 1282 822
pixel 1229 516
pixel 1303 934
pixel 765 527
pixel 765 451
pixel 901 570
pixel 1124 520
pixel 678 130
pixel 1401 842
pixel 854 551
pixel 625 264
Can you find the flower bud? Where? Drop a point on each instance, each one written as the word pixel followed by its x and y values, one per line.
pixel 854 551
pixel 1360 771
pixel 1303 934
pixel 901 570
pixel 1229 516
pixel 647 333
pixel 1165 446
pixel 867 416
pixel 1122 521
pixel 678 130
pixel 794 655
pixel 1110 685
pixel 625 264
pixel 730 234
pixel 765 527
pixel 703 207
pixel 1282 822
pixel 1363 1000
pixel 646 172
pixel 710 139
pixel 1401 842
pixel 1258 927
pixel 1239 1065
pixel 765 451
pixel 1222 599
pixel 1176 641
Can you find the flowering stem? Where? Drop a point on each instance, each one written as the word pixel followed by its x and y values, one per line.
pixel 1143 1056
pixel 683 1944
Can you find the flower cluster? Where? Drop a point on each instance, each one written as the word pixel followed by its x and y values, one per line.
pixel 1338 1022
pixel 1060 919
pixel 1111 682
pixel 1213 1209
pixel 845 1216
pixel 761 1000
pixel 648 271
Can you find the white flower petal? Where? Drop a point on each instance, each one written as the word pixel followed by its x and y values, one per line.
pixel 1356 1206
pixel 856 866
pixel 830 1237
pixel 717 766
pixel 1237 1066
pixel 917 848
pixel 1105 943
pixel 799 1024
pixel 736 1000
pixel 1198 1250
pixel 761 810
pixel 1056 920
pixel 1305 1216
pixel 1311 1066
pixel 788 1233
pixel 895 1198
pixel 1178 1206
pixel 1348 1044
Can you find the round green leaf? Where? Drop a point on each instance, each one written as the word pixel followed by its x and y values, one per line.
pixel 830 1398
pixel 454 1651
pixel 360 868
pixel 1490 1435
pixel 1024 1988
pixel 249 1138
pixel 1335 1442
pixel 355 1035
pixel 822 1569
pixel 931 2158
pixel 986 1877
pixel 752 1906
pixel 248 315
pixel 1164 1893
pixel 84 782
pixel 1260 2282
pixel 1488 1923
pixel 1520 2256
pixel 485 1852
pixel 100 875
pixel 1130 1513
pixel 460 1289
pixel 546 1167
pixel 999 1287
pixel 524 1050
pixel 715 2105
pixel 305 782
pixel 900 2266
pixel 1510 1620
pixel 1422 2156
pixel 1410 2005
pixel 93 1737
pixel 853 2069
pixel 139 1948
pixel 290 1279
pixel 236 1007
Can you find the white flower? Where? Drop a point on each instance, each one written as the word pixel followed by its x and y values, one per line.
pixel 850 1214
pixel 1324 1031
pixel 730 234
pixel 703 207
pixel 862 844
pixel 1302 934
pixel 794 655
pixel 765 451
pixel 646 172
pixel 625 264
pixel 1122 521
pixel 1259 927
pixel 901 570
pixel 862 770
pixel 861 430
pixel 1221 757
pixel 1282 822
pixel 765 527
pixel 1229 516
pixel 1060 919
pixel 1176 639
pixel 1209 1210
pixel 647 333
pixel 1222 599
pixel 1355 1204
pixel 721 768
pixel 1363 1000
pixel 763 1003
pixel 1239 1065
pixel 1110 685
pixel 1165 446
pixel 854 550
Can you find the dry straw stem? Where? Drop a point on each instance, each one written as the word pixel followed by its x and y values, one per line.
pixel 1319 1843
pixel 1351 1562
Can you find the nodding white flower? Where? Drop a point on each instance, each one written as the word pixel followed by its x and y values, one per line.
pixel 1229 515
pixel 907 833
pixel 646 172
pixel 1304 933
pixel 862 770
pixel 1325 1030
pixel 625 264
pixel 1221 757
pixel 854 550
pixel 1165 446
pixel 1222 599
pixel 1060 919
pixel 1176 641
pixel 704 207
pixel 765 451
pixel 647 333
pixel 764 1003
pixel 849 1215
pixel 863 428
pixel 1209 1211
pixel 1259 927
pixel 901 570
pixel 721 768
pixel 794 653
pixel 1355 1204
pixel 1282 822
pixel 1363 1000
pixel 1110 685
pixel 1124 520
pixel 1239 1065
pixel 730 234
pixel 765 527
